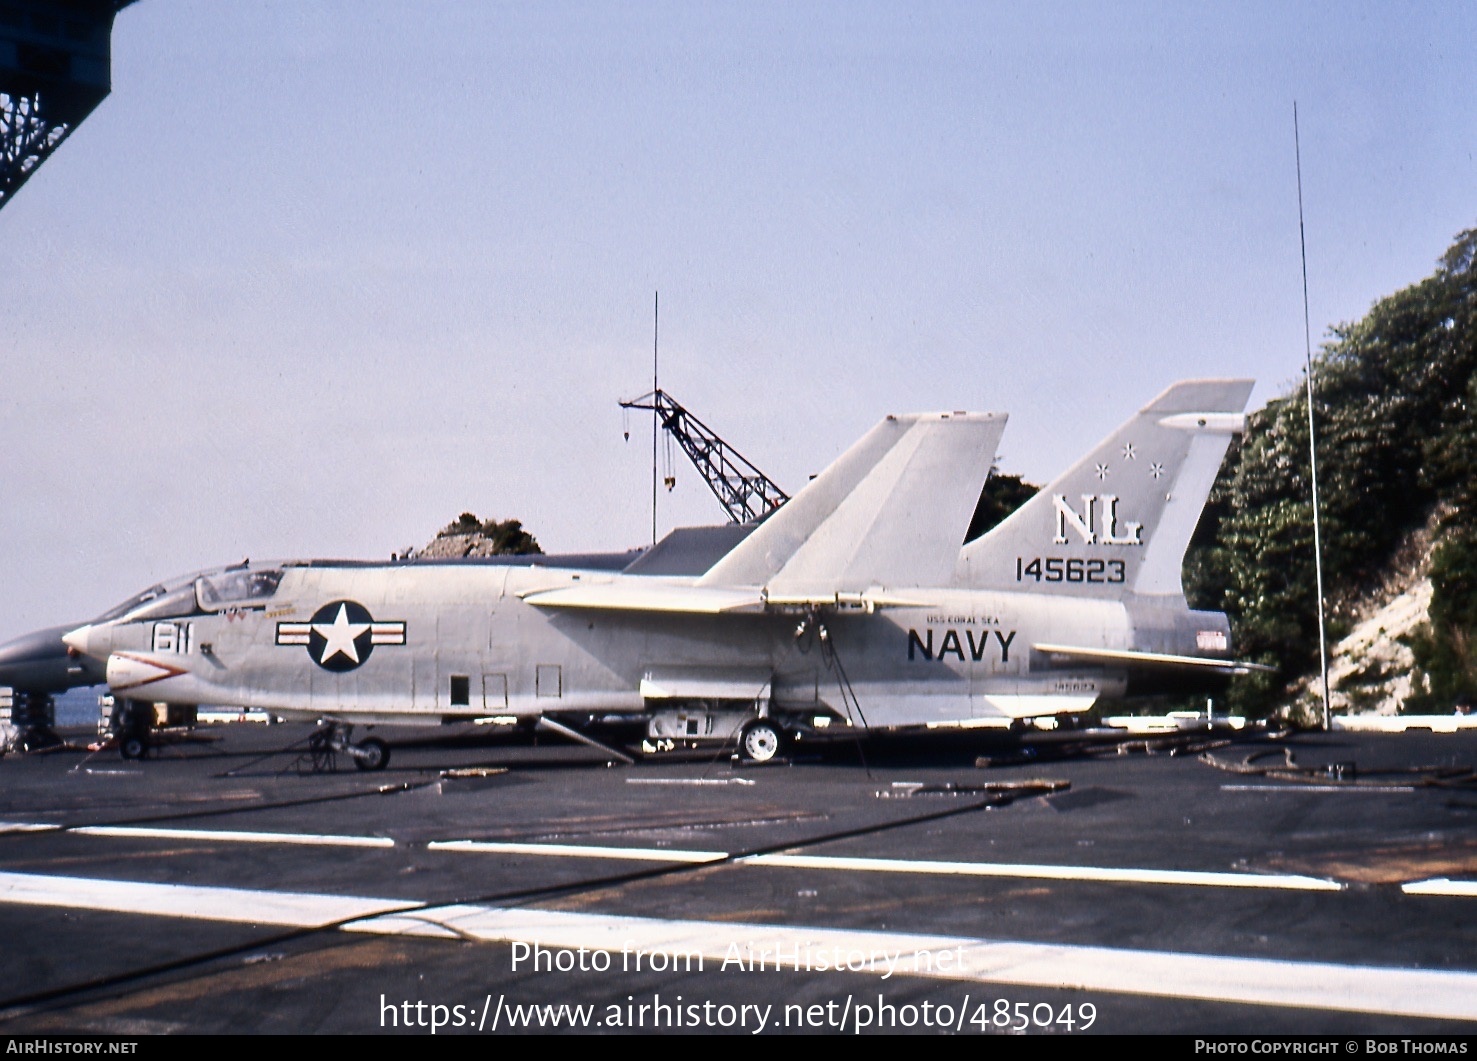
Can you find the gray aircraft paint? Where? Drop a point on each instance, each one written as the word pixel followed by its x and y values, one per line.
pixel 862 567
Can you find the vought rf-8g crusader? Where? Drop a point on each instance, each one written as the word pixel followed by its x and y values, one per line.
pixel 852 607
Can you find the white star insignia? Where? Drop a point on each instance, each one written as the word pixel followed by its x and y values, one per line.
pixel 1156 469
pixel 1128 452
pixel 339 635
pixel 1102 471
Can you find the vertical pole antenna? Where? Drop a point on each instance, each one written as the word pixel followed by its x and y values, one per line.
pixel 656 306
pixel 1312 438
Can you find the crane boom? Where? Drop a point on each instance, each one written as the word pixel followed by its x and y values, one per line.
pixel 746 493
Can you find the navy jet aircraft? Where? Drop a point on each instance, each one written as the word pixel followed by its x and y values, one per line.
pixel 852 607
pixel 34 668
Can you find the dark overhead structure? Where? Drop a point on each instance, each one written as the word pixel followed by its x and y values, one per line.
pixel 55 67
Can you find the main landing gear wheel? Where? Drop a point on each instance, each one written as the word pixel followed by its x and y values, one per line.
pixel 371 754
pixel 760 742
pixel 131 722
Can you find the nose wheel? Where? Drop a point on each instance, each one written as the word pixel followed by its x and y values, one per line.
pixel 332 738
pixel 760 741
pixel 371 754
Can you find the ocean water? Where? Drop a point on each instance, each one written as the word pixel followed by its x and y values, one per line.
pixel 78 707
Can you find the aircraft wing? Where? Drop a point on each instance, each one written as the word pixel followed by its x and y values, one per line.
pixel 637 596
pixel 641 595
pixel 1124 657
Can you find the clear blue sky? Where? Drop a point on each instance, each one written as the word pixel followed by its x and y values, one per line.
pixel 317 277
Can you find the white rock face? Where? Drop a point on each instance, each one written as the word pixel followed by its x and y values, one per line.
pixel 453 546
pixel 1370 670
pixel 456 545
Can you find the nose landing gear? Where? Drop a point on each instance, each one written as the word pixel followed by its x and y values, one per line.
pixel 332 738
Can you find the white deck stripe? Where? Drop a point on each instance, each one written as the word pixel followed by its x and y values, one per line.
pixel 1256 981
pixel 719 781
pixel 239 905
pixel 236 837
pixel 886 865
pixel 1441 994
pixel 1023 871
pixel 1441 886
pixel 1083 873
pixel 643 854
pixel 1366 790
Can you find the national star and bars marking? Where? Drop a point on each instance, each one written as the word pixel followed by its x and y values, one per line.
pixel 339 636
pixel 347 633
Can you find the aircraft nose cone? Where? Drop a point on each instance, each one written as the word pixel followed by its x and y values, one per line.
pixel 40 662
pixel 77 639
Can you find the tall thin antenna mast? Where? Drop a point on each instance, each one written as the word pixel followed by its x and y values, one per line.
pixel 656 306
pixel 1312 438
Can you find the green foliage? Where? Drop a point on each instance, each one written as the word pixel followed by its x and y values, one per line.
pixel 507 537
pixel 1395 443
pixel 1444 647
pixel 1454 581
pixel 1002 495
pixel 466 523
pixel 1443 669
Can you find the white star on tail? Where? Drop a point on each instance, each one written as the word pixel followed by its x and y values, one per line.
pixel 339 636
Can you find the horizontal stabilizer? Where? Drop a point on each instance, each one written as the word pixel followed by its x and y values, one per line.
pixel 1150 659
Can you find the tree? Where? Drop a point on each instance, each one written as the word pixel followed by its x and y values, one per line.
pixel 1396 443
pixel 1002 495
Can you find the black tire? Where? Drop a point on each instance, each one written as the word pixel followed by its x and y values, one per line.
pixel 132 746
pixel 760 741
pixel 132 717
pixel 372 754
pixel 122 719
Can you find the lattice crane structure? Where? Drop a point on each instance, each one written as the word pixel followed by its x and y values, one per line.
pixel 55 68
pixel 746 493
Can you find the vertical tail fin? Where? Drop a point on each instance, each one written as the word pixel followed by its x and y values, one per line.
pixel 1119 520
pixel 889 512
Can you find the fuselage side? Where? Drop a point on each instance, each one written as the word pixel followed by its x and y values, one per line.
pixel 426 642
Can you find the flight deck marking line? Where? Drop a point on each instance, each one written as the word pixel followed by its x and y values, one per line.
pixel 209 903
pixel 688 781
pixel 643 854
pixel 26 827
pixel 1368 790
pixel 1082 873
pixel 234 836
pixel 1440 994
pixel 1441 886
pixel 887 865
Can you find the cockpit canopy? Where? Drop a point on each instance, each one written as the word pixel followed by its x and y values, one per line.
pixel 235 587
pixel 198 594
